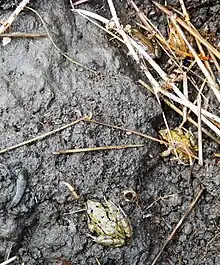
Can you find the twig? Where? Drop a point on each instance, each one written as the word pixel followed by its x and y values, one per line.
pixel 186 15
pixel 87 14
pixel 22 35
pixel 158 199
pixel 40 137
pixel 186 94
pixel 79 2
pixel 177 227
pixel 206 248
pixel 100 148
pixel 200 152
pixel 71 188
pixel 98 262
pixel 9 260
pixel 120 30
pixel 76 211
pixel 6 24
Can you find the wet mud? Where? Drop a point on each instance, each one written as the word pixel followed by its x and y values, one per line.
pixel 41 91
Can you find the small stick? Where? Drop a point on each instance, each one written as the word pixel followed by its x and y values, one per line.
pixel 177 227
pixel 79 2
pixel 186 94
pixel 186 15
pixel 76 211
pixel 98 262
pixel 71 188
pixel 13 16
pixel 215 61
pixel 206 248
pixel 120 30
pixel 9 260
pixel 160 198
pixel 40 137
pixel 23 35
pixel 100 148
pixel 200 153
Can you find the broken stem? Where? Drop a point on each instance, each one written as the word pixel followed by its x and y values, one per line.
pixel 177 227
pixel 100 148
pixel 40 137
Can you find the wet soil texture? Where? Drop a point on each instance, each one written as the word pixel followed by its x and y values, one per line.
pixel 40 91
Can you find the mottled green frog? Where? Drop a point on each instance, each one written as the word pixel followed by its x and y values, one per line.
pixel 109 222
pixel 183 142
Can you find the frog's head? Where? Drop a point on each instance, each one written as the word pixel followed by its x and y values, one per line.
pixel 93 206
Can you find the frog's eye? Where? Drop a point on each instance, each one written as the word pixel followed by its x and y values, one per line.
pixel 91 211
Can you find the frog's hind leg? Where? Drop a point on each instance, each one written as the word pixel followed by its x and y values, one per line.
pixel 108 241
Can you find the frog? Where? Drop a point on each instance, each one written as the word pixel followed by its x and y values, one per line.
pixel 109 222
pixel 183 144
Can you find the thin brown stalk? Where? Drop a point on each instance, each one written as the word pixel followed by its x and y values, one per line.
pixel 215 61
pixel 72 189
pixel 120 30
pixel 207 245
pixel 185 13
pixel 22 35
pixel 100 148
pixel 179 224
pixel 40 137
pixel 200 152
pixel 186 94
pixel 206 63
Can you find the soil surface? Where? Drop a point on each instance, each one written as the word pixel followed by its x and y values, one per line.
pixel 41 91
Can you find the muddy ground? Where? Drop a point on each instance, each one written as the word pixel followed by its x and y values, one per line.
pixel 40 91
